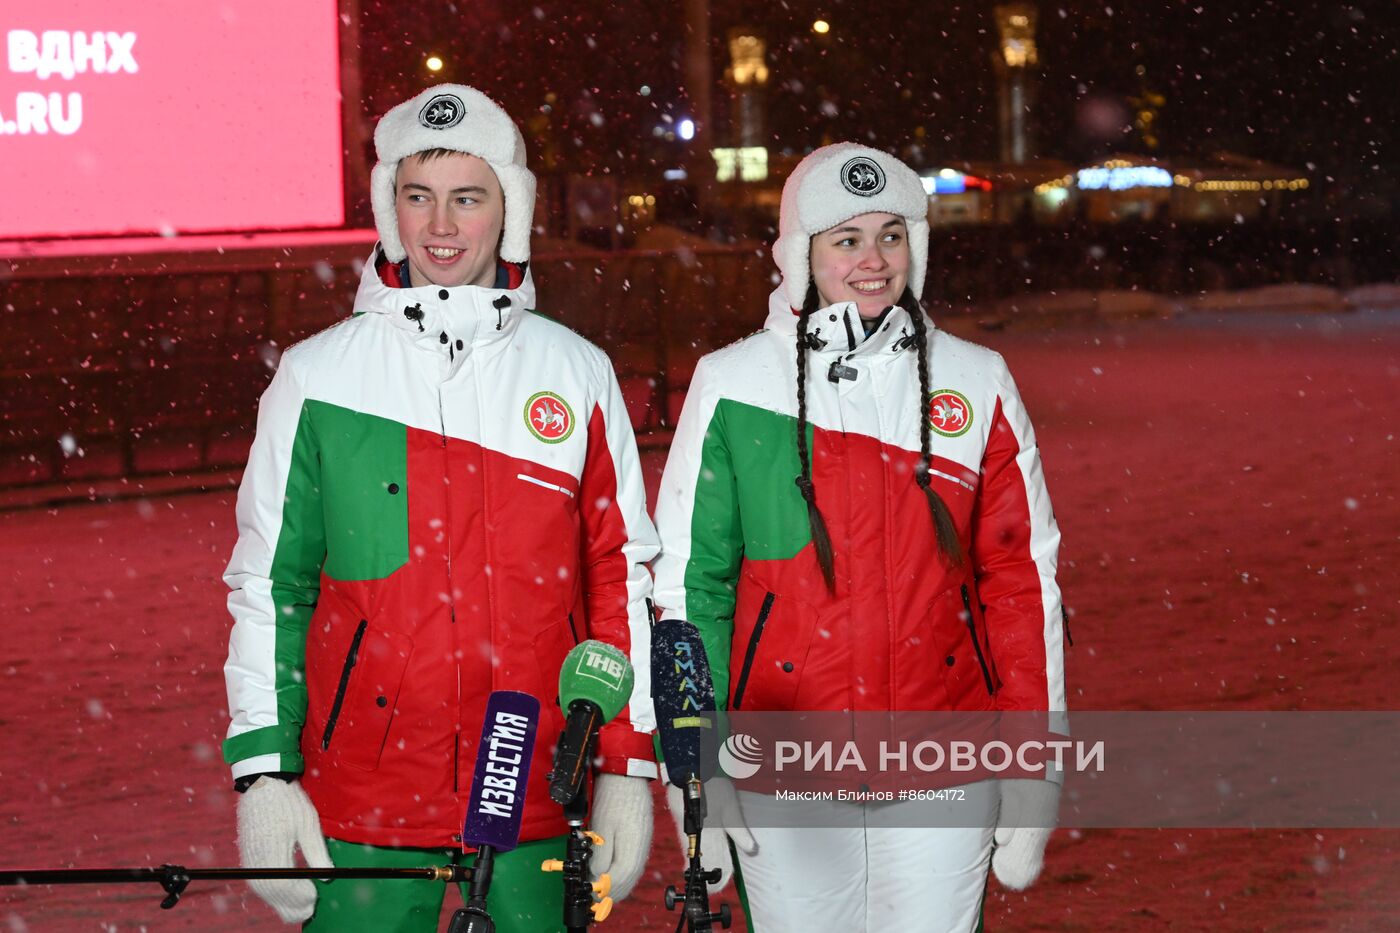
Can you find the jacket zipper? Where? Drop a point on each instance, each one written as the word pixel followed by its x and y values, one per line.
pixel 572 630
pixel 850 332
pixel 350 659
pixel 452 604
pixel 976 645
pixel 752 650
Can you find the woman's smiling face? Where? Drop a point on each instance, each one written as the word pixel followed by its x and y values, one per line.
pixel 865 260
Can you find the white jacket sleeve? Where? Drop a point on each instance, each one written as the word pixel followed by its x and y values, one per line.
pixel 697 514
pixel 274 583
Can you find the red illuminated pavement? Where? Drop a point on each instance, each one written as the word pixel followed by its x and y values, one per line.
pixel 1228 500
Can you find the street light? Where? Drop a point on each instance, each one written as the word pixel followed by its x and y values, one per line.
pixel 1016 23
pixel 746 51
pixel 433 63
pixel 821 27
pixel 746 158
pixel 1015 65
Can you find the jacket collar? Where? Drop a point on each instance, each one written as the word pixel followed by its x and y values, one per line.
pixel 838 331
pixel 473 314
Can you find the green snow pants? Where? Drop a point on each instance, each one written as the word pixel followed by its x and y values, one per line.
pixel 523 899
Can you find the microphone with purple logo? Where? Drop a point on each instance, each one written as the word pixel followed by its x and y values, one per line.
pixel 497 800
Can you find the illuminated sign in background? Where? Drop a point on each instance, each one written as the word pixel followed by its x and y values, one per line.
pixel 168 116
pixel 950 181
pixel 750 163
pixel 1121 178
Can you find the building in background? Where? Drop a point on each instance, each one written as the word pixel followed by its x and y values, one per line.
pixel 1224 188
pixel 959 196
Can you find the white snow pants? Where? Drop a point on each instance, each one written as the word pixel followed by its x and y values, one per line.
pixel 878 873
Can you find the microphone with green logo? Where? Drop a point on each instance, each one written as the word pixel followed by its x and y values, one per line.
pixel 595 682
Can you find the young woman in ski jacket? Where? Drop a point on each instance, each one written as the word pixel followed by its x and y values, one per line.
pixel 854 516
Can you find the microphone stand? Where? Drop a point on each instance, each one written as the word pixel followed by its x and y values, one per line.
pixel 580 909
pixel 571 757
pixel 474 917
pixel 696 915
pixel 176 878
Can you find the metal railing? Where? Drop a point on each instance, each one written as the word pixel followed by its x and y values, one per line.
pixel 141 370
pixel 150 361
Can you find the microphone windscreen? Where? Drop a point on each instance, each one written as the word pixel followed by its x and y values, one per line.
pixel 684 695
pixel 597 672
pixel 497 801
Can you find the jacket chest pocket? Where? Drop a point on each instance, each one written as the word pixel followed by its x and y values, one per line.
pixel 771 646
pixel 366 695
pixel 539 518
pixel 364 492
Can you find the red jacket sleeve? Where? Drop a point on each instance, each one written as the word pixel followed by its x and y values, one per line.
pixel 618 540
pixel 1015 546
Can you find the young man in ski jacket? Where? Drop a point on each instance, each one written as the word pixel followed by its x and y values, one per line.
pixel 854 516
pixel 442 499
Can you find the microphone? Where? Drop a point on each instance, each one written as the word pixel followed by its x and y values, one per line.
pixel 497 801
pixel 595 682
pixel 684 694
pixel 683 691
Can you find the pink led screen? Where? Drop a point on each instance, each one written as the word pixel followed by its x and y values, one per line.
pixel 168 116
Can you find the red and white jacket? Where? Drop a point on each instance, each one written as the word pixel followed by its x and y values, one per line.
pixel 904 630
pixel 443 498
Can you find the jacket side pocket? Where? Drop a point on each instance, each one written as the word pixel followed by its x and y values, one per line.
pixel 741 683
pixel 976 641
pixel 351 656
pixel 370 701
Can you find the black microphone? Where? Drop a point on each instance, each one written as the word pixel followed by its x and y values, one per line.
pixel 595 682
pixel 683 692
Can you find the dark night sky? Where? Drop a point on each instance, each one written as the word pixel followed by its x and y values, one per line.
pixel 1292 82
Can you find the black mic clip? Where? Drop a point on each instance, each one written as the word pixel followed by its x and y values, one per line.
pixel 839 371
pixel 695 808
pixel 472 919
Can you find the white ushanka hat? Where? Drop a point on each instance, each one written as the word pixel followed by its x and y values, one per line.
pixel 460 118
pixel 836 183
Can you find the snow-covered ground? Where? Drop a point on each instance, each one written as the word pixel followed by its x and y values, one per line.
pixel 1083 305
pixel 1227 491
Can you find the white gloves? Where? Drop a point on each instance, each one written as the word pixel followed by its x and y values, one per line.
pixel 622 816
pixel 722 806
pixel 1027 816
pixel 274 819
